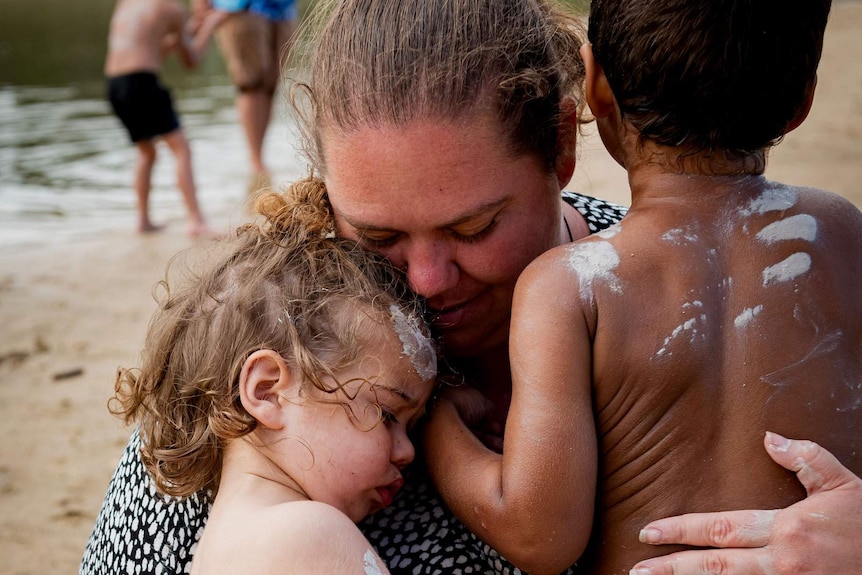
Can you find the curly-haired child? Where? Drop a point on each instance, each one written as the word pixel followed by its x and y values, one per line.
pixel 283 377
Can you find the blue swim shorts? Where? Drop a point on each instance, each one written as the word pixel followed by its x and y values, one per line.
pixel 276 10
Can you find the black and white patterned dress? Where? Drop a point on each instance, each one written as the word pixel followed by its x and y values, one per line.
pixel 141 532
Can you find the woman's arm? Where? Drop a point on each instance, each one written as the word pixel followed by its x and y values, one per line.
pixel 816 536
pixel 534 503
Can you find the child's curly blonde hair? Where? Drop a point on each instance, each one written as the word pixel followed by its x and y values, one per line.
pixel 287 284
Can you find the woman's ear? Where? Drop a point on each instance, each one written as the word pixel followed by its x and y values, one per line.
pixel 567 141
pixel 264 382
pixel 598 91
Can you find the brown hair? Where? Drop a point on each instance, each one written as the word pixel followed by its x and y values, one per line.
pixel 725 76
pixel 286 284
pixel 379 62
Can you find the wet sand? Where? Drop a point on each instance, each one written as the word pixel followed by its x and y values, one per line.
pixel 72 314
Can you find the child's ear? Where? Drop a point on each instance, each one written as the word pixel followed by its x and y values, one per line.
pixel 805 109
pixel 264 382
pixel 600 97
pixel 567 141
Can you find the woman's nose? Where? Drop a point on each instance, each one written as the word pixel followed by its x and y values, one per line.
pixel 431 268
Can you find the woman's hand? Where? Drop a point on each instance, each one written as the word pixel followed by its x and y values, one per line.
pixel 818 535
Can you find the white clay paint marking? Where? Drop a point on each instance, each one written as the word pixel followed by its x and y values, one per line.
pixel 690 325
pixel 414 345
pixel 746 316
pixel 798 227
pixel 595 261
pixel 824 346
pixel 369 561
pixel 792 267
pixel 679 236
pixel 772 199
pixel 610 232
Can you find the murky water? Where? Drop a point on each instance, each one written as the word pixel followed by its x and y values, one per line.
pixel 66 165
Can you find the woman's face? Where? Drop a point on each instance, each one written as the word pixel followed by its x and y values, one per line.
pixel 450 204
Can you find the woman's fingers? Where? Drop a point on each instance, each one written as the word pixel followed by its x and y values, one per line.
pixel 817 469
pixel 818 535
pixel 726 529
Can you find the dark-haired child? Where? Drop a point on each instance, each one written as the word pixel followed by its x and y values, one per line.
pixel 723 306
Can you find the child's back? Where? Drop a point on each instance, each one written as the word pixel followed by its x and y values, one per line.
pixel 734 309
pixel 728 305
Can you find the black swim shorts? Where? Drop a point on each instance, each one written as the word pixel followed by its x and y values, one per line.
pixel 143 105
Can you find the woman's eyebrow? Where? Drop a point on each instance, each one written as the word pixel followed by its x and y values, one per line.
pixel 477 212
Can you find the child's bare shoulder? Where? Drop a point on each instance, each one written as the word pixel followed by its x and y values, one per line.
pixel 310 537
pixel 567 279
pixel 828 203
pixel 594 255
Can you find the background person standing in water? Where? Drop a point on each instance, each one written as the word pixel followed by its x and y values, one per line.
pixel 142 34
pixel 254 40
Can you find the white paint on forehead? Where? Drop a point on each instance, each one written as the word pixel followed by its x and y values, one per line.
pixel 595 261
pixel 774 198
pixel 747 315
pixel 798 227
pixel 369 562
pixel 414 344
pixel 792 267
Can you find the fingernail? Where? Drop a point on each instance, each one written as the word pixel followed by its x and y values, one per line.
pixel 641 571
pixel 649 535
pixel 777 442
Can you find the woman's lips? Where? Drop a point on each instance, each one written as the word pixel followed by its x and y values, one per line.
pixel 388 492
pixel 448 318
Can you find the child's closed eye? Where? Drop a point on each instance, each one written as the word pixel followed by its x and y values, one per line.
pixel 388 416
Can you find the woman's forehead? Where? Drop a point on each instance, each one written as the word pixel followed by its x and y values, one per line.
pixel 424 171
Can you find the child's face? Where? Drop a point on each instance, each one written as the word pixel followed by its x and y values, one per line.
pixel 354 462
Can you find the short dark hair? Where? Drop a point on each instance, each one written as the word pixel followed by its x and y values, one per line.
pixel 727 75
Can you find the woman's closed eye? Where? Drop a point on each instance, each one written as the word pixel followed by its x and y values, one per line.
pixel 474 235
pixel 378 240
pixel 466 234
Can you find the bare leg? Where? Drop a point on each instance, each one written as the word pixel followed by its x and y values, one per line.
pixel 143 177
pixel 254 109
pixel 179 146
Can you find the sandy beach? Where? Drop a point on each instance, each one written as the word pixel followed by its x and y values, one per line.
pixel 72 314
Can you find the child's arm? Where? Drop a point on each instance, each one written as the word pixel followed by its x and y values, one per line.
pixel 190 37
pixel 534 503
pixel 202 32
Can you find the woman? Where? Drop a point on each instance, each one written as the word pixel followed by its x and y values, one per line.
pixel 445 131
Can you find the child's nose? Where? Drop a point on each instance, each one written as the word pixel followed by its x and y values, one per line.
pixel 403 451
